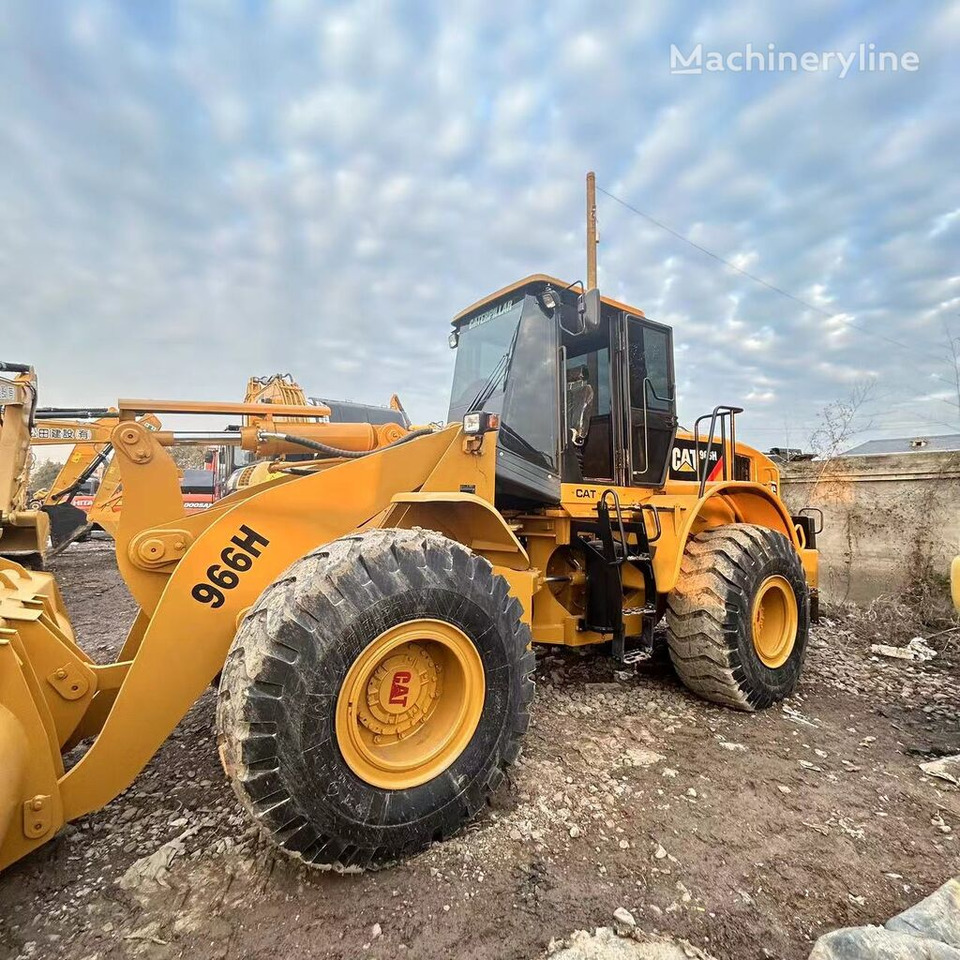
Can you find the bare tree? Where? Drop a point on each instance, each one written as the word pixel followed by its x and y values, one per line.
pixel 837 425
pixel 837 421
pixel 953 357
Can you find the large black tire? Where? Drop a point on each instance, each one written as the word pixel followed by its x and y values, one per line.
pixel 709 616
pixel 276 714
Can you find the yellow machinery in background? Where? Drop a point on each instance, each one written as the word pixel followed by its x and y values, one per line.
pixel 23 530
pixel 90 462
pixel 390 423
pixel 372 610
pixel 90 449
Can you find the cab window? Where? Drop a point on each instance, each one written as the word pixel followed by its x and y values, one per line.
pixel 589 409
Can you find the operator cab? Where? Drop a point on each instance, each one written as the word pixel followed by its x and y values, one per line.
pixel 577 402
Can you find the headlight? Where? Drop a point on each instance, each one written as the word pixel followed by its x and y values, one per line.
pixel 480 422
pixel 549 299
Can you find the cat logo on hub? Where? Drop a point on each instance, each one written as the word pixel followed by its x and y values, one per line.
pixel 400 687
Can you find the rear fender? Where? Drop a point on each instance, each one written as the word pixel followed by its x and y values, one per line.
pixel 729 502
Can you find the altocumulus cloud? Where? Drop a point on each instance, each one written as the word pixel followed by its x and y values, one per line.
pixel 195 192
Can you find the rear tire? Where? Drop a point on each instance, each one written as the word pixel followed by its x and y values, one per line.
pixel 738 618
pixel 290 706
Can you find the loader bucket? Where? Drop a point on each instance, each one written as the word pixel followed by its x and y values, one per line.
pixel 24 536
pixel 42 698
pixel 66 521
pixel 13 763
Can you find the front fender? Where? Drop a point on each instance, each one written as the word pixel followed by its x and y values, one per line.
pixel 463 517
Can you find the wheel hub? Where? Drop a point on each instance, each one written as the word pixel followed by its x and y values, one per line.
pixel 410 703
pixel 401 693
pixel 774 621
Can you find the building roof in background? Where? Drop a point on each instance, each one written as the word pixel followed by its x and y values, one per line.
pixel 942 443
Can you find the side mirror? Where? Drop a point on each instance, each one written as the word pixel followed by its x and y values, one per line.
pixel 588 307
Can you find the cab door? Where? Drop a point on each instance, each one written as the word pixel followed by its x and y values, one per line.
pixel 650 406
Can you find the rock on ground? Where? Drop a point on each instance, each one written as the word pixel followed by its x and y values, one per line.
pixel 605 944
pixel 877 943
pixel 936 916
pixel 928 931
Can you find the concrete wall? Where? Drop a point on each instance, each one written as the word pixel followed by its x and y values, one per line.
pixel 887 519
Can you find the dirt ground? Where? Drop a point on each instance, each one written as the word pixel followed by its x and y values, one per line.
pixel 748 835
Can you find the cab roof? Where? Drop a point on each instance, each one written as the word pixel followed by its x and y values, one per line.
pixel 540 278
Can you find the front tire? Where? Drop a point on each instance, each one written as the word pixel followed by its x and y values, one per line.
pixel 374 696
pixel 738 618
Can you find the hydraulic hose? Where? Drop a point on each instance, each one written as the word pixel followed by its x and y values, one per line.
pixel 88 472
pixel 73 413
pixel 328 451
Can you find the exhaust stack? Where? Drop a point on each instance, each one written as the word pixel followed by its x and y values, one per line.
pixel 592 237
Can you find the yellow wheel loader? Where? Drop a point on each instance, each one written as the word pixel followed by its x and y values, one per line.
pixel 374 609
pixel 24 530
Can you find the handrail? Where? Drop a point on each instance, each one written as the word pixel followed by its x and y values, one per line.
pixel 647 385
pixel 564 414
pixel 656 522
pixel 610 492
pixel 720 412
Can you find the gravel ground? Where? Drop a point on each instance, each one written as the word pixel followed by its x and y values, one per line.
pixel 746 835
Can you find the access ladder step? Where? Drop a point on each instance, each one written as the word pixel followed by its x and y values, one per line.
pixel 637 655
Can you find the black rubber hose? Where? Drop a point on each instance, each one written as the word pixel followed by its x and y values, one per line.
pixel 335 451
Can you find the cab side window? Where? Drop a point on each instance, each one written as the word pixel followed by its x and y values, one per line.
pixel 589 414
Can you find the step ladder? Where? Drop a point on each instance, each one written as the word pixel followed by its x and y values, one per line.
pixel 606 612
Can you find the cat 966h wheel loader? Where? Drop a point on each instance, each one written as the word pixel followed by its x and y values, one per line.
pixel 372 611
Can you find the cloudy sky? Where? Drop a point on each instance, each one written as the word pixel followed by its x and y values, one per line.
pixel 191 193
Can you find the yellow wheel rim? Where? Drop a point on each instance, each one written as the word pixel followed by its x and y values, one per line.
pixel 774 621
pixel 410 704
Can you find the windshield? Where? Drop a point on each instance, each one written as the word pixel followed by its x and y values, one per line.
pixel 507 365
pixel 485 342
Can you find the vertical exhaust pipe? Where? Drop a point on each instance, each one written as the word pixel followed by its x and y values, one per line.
pixel 589 306
pixel 592 237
